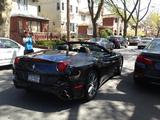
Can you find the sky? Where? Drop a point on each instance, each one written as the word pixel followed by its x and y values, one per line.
pixel 155 4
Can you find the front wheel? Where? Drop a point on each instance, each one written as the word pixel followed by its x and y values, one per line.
pixel 92 85
pixel 119 67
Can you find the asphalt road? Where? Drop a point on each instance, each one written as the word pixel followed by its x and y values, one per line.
pixel 118 99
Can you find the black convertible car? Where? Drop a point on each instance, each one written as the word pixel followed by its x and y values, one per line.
pixel 71 71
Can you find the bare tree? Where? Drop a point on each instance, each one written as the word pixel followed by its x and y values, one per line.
pixel 94 16
pixel 124 12
pixel 2 8
pixel 137 18
pixel 5 9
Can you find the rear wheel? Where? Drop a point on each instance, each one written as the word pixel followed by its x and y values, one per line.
pixel 92 85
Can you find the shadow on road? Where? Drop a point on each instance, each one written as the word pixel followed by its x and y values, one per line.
pixel 7 67
pixel 141 98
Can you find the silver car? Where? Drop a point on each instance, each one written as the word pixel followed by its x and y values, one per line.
pixel 103 42
pixel 134 40
pixel 144 41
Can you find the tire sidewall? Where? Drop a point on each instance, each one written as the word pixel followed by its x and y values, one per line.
pixel 87 97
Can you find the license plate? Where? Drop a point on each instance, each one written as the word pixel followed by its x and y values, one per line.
pixel 34 78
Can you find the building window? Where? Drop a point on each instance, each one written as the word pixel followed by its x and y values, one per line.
pixel 18 2
pixel 72 27
pixel 39 8
pixel 71 8
pixel 116 20
pixel 20 26
pixel 34 26
pixel 22 4
pixel 76 9
pixel 62 5
pixel 58 6
pixel 83 17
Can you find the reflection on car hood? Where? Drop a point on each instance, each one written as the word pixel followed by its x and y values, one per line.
pixel 76 59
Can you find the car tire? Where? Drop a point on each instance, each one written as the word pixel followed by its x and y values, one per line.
pixel 119 68
pixel 91 86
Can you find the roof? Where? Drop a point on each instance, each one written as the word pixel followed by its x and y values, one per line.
pixel 29 16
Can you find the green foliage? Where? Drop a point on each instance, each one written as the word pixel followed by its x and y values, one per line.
pixel 48 43
pixel 105 33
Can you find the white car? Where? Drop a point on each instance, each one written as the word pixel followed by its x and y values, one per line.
pixel 144 41
pixel 9 49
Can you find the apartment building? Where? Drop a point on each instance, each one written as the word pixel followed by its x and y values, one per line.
pixel 24 17
pixel 56 11
pixel 85 28
pixel 114 23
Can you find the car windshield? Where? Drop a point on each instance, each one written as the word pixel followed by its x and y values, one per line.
pixel 94 40
pixel 134 37
pixel 146 38
pixel 120 38
pixel 97 39
pixel 154 45
pixel 77 47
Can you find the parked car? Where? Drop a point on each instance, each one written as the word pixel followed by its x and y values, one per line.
pixel 9 49
pixel 147 65
pixel 144 41
pixel 73 70
pixel 103 42
pixel 134 40
pixel 119 41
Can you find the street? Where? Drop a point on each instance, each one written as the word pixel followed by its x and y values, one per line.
pixel 118 99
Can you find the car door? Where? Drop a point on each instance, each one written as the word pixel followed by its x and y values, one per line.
pixel 9 51
pixel 2 53
pixel 104 62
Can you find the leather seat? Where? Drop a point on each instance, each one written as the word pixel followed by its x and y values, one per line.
pixel 84 50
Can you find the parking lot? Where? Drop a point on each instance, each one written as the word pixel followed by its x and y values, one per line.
pixel 117 99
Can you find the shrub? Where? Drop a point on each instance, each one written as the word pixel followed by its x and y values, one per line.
pixel 105 33
pixel 47 43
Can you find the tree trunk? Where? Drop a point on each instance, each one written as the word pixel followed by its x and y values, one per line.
pixel 5 19
pixel 125 29
pixel 94 29
pixel 136 28
pixel 158 32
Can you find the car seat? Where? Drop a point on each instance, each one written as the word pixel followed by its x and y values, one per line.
pixel 84 50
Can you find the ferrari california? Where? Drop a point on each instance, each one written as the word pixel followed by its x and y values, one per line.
pixel 72 70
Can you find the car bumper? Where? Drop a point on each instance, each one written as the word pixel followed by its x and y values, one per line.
pixel 151 77
pixel 62 89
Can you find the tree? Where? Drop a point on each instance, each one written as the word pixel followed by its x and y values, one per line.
pixel 106 32
pixel 2 8
pixel 153 23
pixel 94 16
pixel 122 9
pixel 137 18
pixel 5 9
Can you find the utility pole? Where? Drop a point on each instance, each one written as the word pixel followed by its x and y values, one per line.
pixel 68 20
